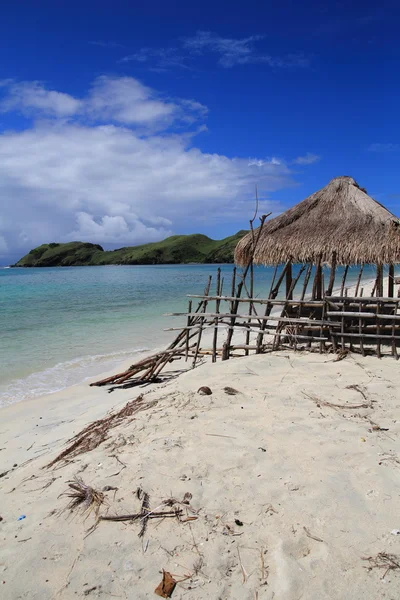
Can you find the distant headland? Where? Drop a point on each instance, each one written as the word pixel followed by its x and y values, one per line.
pixel 177 249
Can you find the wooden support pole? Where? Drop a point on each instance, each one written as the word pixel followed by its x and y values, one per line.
pixel 217 303
pixel 206 293
pixel 332 276
pixel 379 280
pixel 272 295
pixel 289 277
pixel 306 280
pixel 344 279
pixel 391 281
pixel 359 281
pixel 317 287
pixel 235 304
pixel 188 330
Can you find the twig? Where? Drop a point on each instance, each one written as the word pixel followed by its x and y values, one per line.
pixel 219 435
pixel 383 560
pixel 320 402
pixel 136 516
pixel 242 567
pixel 310 535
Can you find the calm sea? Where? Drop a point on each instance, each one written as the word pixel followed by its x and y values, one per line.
pixel 59 326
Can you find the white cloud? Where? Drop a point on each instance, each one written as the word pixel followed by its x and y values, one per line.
pixel 108 183
pixel 164 58
pixel 111 99
pixel 307 159
pixel 383 147
pixel 229 52
pixel 32 97
pixel 239 51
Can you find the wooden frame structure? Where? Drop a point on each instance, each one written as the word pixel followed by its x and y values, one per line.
pixel 311 307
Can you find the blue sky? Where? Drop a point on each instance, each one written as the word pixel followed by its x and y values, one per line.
pixel 125 122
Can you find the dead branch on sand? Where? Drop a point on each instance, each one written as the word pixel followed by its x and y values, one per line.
pixel 97 432
pixel 320 402
pixel 383 560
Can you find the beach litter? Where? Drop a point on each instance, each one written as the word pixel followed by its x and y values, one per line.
pixel 21 518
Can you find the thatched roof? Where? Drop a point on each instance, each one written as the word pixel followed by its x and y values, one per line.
pixel 340 218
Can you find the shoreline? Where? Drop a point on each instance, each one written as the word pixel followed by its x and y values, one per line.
pixel 135 354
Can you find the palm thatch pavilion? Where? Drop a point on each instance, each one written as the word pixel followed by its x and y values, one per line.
pixel 336 227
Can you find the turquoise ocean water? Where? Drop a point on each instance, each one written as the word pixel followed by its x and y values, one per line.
pixel 59 326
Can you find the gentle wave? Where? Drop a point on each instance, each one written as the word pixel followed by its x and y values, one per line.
pixel 64 375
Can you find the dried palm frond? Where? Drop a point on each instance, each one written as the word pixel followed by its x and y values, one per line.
pixel 97 432
pixel 84 497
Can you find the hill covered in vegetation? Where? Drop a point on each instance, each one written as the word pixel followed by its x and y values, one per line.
pixel 177 249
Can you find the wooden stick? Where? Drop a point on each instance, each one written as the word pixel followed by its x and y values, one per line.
pixel 290 291
pixel 359 280
pixel 360 324
pixel 306 280
pixel 187 332
pixel 332 275
pixel 217 303
pixel 240 286
pixel 379 280
pixel 391 281
pixel 289 287
pixel 344 279
pixel 206 292
pixel 378 345
pixel 273 293
pixel 317 291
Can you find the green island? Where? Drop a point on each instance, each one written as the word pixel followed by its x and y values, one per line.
pixel 177 249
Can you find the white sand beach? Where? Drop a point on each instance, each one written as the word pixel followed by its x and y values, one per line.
pixel 291 495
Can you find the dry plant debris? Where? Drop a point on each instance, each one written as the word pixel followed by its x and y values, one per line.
pixel 319 402
pixel 311 536
pixel 146 513
pixel 166 588
pixel 383 560
pixel 97 432
pixel 84 497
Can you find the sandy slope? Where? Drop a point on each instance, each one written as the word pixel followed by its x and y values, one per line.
pixel 268 457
